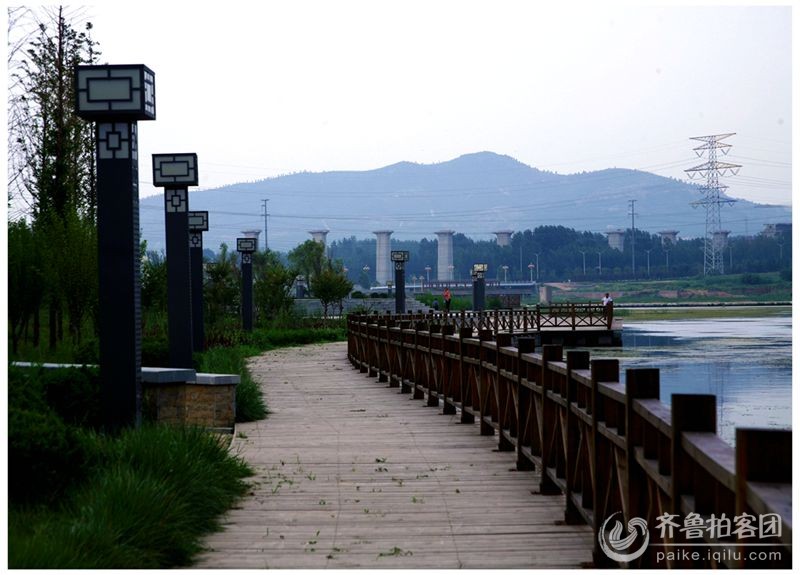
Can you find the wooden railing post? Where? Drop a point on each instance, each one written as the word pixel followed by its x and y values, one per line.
pixel 689 413
pixel 466 416
pixel 575 360
pixel 524 402
pixel 764 456
pixel 602 370
pixel 549 413
pixel 642 383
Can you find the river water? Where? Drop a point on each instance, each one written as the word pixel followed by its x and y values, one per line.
pixel 745 362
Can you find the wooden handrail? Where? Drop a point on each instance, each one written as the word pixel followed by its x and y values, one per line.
pixel 607 446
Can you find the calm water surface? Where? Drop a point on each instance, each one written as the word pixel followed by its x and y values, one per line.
pixel 746 363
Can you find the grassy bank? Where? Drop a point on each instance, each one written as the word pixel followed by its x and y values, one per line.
pixel 763 287
pixel 146 499
pixel 698 312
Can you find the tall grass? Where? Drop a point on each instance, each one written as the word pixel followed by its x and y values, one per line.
pixel 151 493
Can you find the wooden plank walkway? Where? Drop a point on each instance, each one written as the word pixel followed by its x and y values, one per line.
pixel 352 474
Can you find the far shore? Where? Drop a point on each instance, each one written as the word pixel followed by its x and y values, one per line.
pixel 649 312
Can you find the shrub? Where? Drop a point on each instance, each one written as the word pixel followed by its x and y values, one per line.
pixel 155 352
pixel 751 279
pixel 74 394
pixel 44 457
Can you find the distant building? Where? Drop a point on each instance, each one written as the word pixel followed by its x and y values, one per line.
pixel 775 230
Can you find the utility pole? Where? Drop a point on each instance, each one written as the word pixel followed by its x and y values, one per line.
pixel 266 241
pixel 633 237
pixel 713 261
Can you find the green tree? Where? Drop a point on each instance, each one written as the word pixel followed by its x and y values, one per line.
pixel 330 286
pixel 25 279
pixel 308 258
pixel 51 160
pixel 154 282
pixel 272 288
pixel 221 289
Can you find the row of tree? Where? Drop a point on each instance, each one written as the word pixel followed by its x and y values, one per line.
pixel 557 253
pixel 275 284
pixel 52 248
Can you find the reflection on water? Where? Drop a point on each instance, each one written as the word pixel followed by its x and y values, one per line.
pixel 746 363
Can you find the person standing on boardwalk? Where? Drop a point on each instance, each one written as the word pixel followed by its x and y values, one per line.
pixel 608 302
pixel 447 298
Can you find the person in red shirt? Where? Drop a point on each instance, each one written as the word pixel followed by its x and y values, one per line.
pixel 447 297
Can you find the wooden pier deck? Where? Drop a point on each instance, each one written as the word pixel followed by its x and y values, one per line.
pixel 352 474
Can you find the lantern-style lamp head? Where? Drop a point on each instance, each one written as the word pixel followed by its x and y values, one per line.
pixel 245 245
pixel 198 221
pixel 174 170
pixel 399 256
pixel 115 93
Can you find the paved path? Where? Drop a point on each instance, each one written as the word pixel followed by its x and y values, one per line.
pixel 352 474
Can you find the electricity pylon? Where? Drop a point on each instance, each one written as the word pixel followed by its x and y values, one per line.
pixel 713 262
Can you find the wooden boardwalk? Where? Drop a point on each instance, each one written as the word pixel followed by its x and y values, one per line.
pixel 352 474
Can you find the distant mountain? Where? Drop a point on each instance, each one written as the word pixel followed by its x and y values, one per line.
pixel 475 194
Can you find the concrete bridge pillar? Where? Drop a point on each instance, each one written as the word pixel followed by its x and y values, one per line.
pixel 503 237
pixel 320 236
pixel 444 264
pixel 383 269
pixel 616 239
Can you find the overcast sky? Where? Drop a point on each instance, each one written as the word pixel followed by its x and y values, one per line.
pixel 269 88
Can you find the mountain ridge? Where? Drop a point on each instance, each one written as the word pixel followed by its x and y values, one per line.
pixel 474 194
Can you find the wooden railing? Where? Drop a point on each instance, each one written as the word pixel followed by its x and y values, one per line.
pixel 564 316
pixel 607 447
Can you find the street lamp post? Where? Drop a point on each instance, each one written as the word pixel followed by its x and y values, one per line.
pixel 428 274
pixel 175 173
pixel 584 262
pixel 479 286
pixel 599 263
pixel 198 223
pixel 115 98
pixel 246 247
pixel 530 268
pixel 505 273
pixel 399 258
pixel 537 266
